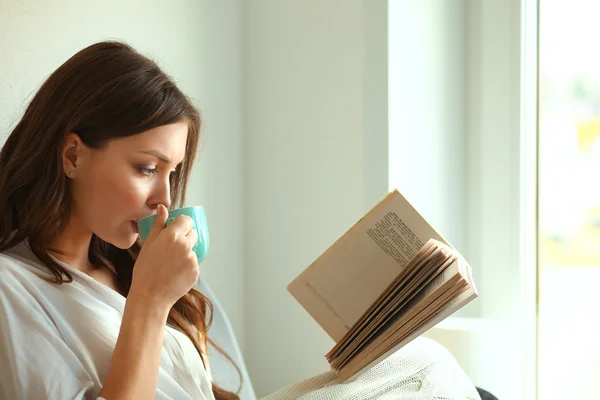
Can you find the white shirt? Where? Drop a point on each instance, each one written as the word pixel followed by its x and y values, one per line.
pixel 56 341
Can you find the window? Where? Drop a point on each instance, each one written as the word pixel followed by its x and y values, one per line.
pixel 569 201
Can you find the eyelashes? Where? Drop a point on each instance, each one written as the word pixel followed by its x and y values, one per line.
pixel 147 171
pixel 151 171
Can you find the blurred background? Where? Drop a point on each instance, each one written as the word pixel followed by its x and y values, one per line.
pixel 569 208
pixel 314 109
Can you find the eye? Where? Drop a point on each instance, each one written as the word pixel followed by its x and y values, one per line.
pixel 147 171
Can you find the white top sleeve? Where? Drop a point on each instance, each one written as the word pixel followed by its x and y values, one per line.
pixel 36 362
pixel 57 341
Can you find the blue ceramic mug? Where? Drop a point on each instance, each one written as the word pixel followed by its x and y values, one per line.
pixel 196 213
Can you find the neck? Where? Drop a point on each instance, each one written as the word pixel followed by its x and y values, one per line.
pixel 73 245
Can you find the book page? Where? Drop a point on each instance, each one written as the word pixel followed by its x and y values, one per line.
pixel 397 308
pixel 349 276
pixel 408 271
pixel 449 276
pixel 420 318
pixel 432 306
pixel 350 373
pixel 431 263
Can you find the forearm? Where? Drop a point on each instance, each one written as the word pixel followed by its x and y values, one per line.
pixel 133 370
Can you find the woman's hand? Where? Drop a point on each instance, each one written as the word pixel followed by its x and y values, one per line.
pixel 167 267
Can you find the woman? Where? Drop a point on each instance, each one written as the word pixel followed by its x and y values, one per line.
pixel 85 311
pixel 108 139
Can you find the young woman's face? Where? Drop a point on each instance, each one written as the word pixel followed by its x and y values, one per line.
pixel 114 187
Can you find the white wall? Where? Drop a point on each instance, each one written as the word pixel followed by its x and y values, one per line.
pixel 456 149
pixel 493 342
pixel 305 117
pixel 428 110
pixel 219 182
pixel 199 43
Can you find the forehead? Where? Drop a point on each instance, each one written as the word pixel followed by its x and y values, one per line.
pixel 167 139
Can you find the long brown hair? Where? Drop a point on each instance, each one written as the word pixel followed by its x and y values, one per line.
pixel 104 92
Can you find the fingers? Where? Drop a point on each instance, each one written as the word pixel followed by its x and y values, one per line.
pixel 182 224
pixel 159 222
pixel 192 238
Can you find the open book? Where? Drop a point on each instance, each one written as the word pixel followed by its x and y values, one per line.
pixel 387 280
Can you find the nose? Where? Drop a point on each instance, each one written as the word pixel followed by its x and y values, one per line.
pixel 161 194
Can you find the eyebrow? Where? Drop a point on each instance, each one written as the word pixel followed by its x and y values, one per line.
pixel 157 154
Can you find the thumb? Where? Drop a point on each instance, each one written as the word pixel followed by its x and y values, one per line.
pixel 159 222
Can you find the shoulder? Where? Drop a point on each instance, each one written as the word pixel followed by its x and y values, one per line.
pixel 11 269
pixel 19 262
pixel 23 296
pixel 20 280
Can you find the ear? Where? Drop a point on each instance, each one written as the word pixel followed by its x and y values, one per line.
pixel 73 154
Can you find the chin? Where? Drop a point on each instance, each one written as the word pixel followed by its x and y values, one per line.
pixel 122 242
pixel 130 242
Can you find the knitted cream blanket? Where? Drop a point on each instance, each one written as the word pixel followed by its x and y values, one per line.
pixel 421 370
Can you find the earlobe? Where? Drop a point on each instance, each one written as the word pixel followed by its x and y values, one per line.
pixel 71 154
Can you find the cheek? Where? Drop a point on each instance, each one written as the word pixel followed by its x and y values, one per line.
pixel 112 194
pixel 130 193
